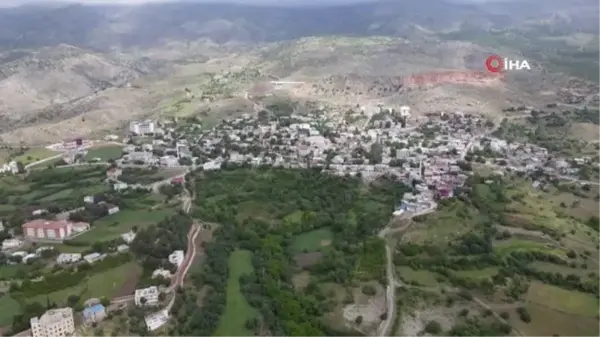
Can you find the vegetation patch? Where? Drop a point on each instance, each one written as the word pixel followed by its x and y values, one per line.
pixel 102 284
pixel 546 321
pixel 104 153
pixel 572 302
pixel 112 226
pixel 237 310
pixel 418 277
pixel 10 308
pixel 312 241
pixel 32 155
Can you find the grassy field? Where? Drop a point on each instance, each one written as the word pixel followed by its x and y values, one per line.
pixel 442 227
pixel 478 274
pixel 106 284
pixel 58 186
pixel 312 241
pixel 10 271
pixel 104 153
pixel 112 226
pixel 35 154
pixel 570 302
pixel 422 277
pixel 548 322
pixel 10 307
pixel 237 310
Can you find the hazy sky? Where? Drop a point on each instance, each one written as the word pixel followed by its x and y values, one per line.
pixel 4 3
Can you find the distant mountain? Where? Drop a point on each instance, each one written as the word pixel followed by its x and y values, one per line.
pixel 105 27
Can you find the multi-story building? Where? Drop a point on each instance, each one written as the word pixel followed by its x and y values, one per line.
pixel 146 296
pixel 55 323
pixel 75 143
pixel 52 229
pixel 143 127
pixel 47 229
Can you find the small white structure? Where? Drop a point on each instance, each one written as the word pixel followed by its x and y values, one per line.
pixel 161 272
pixel 66 258
pixel 405 111
pixel 146 296
pixel 88 199
pixel 11 167
pixel 123 248
pixel 11 244
pixel 29 257
pixel 128 237
pixel 93 257
pixel 142 127
pixel 177 257
pixel 113 210
pixel 156 320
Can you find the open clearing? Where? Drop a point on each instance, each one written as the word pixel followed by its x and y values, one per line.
pixel 10 307
pixel 547 322
pixel 418 277
pixel 571 302
pixel 112 226
pixel 35 154
pixel 237 310
pixel 104 153
pixel 312 241
pixel 105 284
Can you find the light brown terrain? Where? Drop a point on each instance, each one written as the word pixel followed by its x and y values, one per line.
pixel 65 91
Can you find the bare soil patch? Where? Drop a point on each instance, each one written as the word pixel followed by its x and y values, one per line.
pixel 128 288
pixel 307 259
pixel 370 308
pixel 325 243
pixel 301 280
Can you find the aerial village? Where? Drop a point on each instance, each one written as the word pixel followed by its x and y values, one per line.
pixel 431 155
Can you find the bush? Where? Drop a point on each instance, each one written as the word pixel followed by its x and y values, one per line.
pixel 433 327
pixel 369 290
pixel 524 314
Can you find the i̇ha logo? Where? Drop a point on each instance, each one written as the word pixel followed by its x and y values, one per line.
pixel 496 64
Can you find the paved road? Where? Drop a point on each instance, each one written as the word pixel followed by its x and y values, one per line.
pixel 187 263
pixel 386 325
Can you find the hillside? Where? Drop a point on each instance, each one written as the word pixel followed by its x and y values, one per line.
pixel 112 64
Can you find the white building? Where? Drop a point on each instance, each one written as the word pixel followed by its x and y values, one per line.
pixel 113 210
pixel 88 199
pixel 128 237
pixel 55 323
pixel 146 296
pixel 140 128
pixel 161 272
pixel 177 257
pixel 93 257
pixel 11 167
pixel 156 320
pixel 66 258
pixel 11 243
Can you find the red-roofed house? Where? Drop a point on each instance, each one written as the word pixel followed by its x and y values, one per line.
pixel 178 181
pixel 51 229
